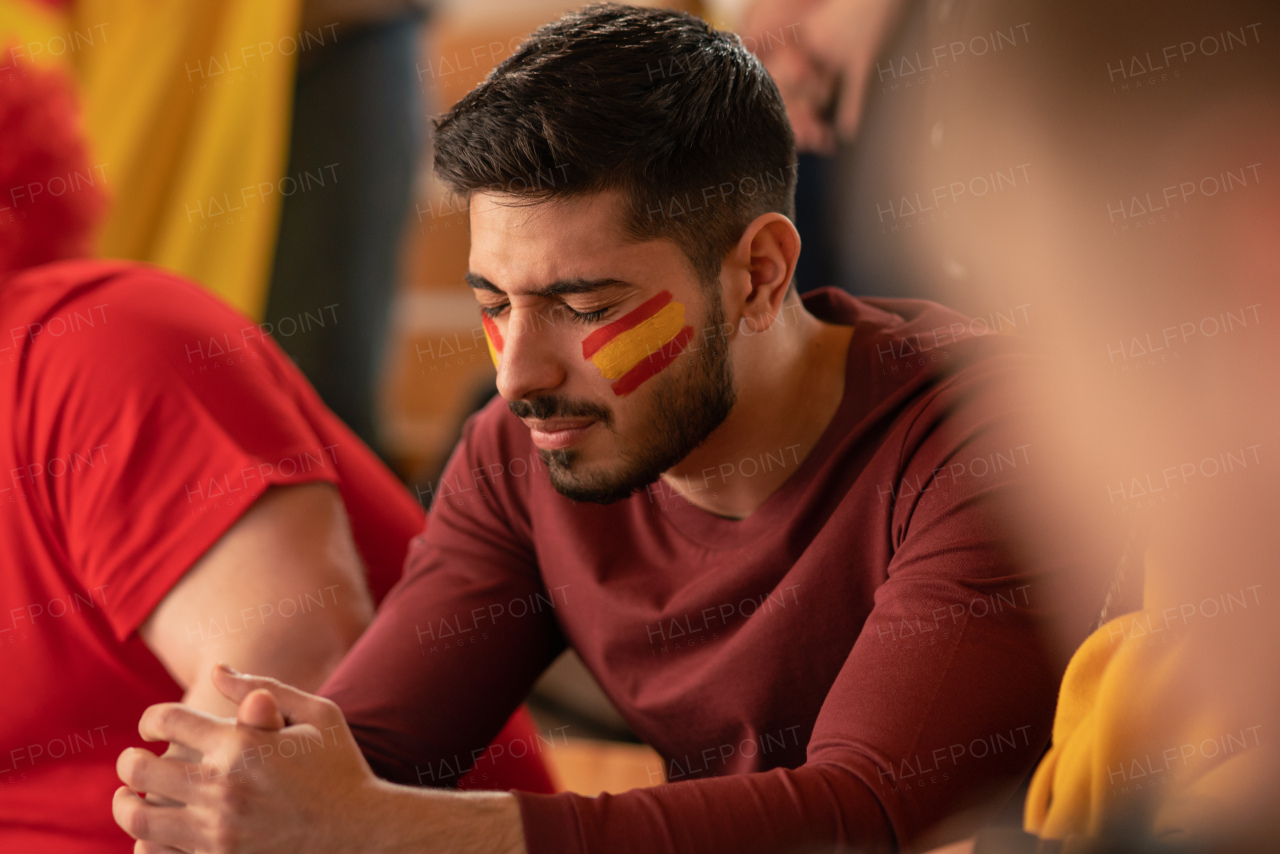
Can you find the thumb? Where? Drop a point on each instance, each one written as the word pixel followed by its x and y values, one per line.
pixel 259 709
pixel 293 705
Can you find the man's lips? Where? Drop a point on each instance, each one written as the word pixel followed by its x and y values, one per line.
pixel 557 433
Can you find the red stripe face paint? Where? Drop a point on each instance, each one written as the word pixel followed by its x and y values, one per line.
pixel 493 336
pixel 602 336
pixel 653 363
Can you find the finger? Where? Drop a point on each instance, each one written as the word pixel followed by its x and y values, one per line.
pixel 792 73
pixel 178 753
pixel 181 753
pixel 803 81
pixel 259 709
pixel 143 771
pixel 295 705
pixel 162 826
pixel 812 134
pixel 144 847
pixel 183 724
pixel 806 91
pixel 846 38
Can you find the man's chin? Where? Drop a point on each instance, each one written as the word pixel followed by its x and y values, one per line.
pixel 590 487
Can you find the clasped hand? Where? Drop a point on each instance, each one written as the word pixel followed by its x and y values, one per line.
pixel 284 775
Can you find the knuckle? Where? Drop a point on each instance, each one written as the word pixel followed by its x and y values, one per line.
pixel 219 799
pixel 327 709
pixel 156 720
pixel 146 722
pixel 135 821
pixel 230 801
pixel 224 834
pixel 238 800
pixel 129 768
pixel 207 768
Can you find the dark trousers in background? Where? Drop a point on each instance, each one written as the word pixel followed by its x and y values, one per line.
pixel 357 133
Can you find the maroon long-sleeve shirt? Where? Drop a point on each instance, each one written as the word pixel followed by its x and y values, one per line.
pixel 857 660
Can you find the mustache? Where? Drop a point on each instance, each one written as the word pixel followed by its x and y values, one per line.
pixel 549 406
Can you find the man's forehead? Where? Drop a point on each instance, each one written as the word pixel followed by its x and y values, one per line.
pixel 515 218
pixel 572 245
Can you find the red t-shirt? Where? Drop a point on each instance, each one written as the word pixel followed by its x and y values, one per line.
pixel 142 419
pixel 862 657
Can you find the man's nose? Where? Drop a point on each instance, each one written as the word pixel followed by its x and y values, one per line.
pixel 529 364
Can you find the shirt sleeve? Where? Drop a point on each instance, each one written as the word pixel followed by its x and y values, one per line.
pixel 144 447
pixel 458 643
pixel 943 704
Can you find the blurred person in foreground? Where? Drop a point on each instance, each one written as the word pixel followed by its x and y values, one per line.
pixel 772 528
pixel 162 507
pixel 1146 245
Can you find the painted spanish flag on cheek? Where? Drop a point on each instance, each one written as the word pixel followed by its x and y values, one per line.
pixel 492 336
pixel 639 344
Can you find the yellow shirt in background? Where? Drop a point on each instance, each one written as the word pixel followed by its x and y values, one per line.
pixel 1161 731
pixel 187 107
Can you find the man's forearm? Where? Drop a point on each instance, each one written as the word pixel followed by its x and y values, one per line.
pixel 409 820
pixel 814 807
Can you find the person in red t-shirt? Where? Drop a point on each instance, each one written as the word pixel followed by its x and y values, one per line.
pixel 172 494
pixel 775 530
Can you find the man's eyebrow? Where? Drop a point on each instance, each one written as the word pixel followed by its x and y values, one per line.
pixel 557 288
pixel 480 283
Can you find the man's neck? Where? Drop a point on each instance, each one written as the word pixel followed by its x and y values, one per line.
pixel 790 382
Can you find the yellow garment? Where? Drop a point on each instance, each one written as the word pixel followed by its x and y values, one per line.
pixel 1157 732
pixel 30 32
pixel 187 107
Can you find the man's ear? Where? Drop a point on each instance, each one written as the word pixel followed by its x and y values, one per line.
pixel 769 249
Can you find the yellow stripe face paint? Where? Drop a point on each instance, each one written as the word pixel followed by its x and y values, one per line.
pixel 639 344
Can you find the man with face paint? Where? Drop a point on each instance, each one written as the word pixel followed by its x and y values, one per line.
pixel 773 529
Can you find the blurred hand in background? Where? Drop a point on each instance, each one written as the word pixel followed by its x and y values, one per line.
pixel 820 53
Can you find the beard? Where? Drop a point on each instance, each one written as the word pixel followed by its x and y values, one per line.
pixel 683 411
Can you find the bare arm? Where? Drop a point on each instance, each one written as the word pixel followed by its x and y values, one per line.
pixel 282 593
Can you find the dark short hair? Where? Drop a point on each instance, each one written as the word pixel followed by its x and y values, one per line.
pixel 678 116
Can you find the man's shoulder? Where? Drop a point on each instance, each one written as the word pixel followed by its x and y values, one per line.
pixel 107 333
pixel 898 328
pixel 90 304
pixel 913 349
pixel 67 280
